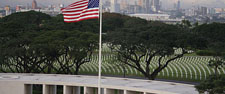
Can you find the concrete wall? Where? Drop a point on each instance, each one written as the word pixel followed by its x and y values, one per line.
pixel 28 88
pixel 49 89
pixel 21 88
pixel 114 91
pixel 71 90
pixel 90 90
pixel 11 87
pixel 134 92
pixel 25 83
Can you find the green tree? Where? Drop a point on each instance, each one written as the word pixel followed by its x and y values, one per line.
pixel 35 42
pixel 26 21
pixel 214 36
pixel 185 23
pixel 66 50
pixel 19 55
pixel 212 85
pixel 57 23
pixel 218 63
pixel 136 45
pixel 16 35
pixel 111 21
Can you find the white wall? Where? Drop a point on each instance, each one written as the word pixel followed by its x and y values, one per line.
pixel 11 87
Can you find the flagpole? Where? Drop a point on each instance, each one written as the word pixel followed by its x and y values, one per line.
pixel 100 49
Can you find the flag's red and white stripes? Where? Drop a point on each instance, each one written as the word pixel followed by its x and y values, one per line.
pixel 79 11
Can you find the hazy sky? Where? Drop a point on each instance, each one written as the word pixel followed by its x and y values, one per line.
pixel 166 3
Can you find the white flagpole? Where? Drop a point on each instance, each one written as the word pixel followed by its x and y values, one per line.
pixel 100 49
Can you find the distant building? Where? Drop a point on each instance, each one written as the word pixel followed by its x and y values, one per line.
pixel 132 9
pixel 211 11
pixel 191 12
pixel 155 6
pixel 57 8
pixel 18 8
pixel 1 15
pixel 7 10
pixel 148 6
pixel 152 17
pixel 222 15
pixel 34 4
pixel 219 10
pixel 115 7
pixel 106 6
pixel 144 6
pixel 46 11
pixel 123 5
pixel 157 17
pixel 2 12
pixel 140 3
pixel 137 8
pixel 51 10
pixel 203 11
pixel 178 5
pixel 61 5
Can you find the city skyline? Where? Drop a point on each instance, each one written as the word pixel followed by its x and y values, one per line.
pixel 165 3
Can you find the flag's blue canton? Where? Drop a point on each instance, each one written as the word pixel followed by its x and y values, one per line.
pixel 93 3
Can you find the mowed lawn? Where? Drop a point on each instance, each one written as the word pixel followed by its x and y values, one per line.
pixel 187 68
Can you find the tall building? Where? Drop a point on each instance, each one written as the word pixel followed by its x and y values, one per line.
pixel 137 8
pixel 34 4
pixel 178 5
pixel 115 7
pixel 1 15
pixel 7 10
pixel 218 10
pixel 148 6
pixel 211 11
pixel 155 5
pixel 123 4
pixel 203 11
pixel 140 2
pixel 18 8
pixel 144 6
pixel 61 5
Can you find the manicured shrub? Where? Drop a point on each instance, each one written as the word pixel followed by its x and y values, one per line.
pixel 208 53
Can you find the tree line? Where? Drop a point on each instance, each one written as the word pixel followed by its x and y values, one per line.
pixel 33 42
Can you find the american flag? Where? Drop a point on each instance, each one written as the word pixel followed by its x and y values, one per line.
pixel 81 10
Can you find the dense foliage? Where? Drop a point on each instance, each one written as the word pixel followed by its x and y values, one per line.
pixel 139 41
pixel 212 85
pixel 213 34
pixel 29 45
pixel 35 42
